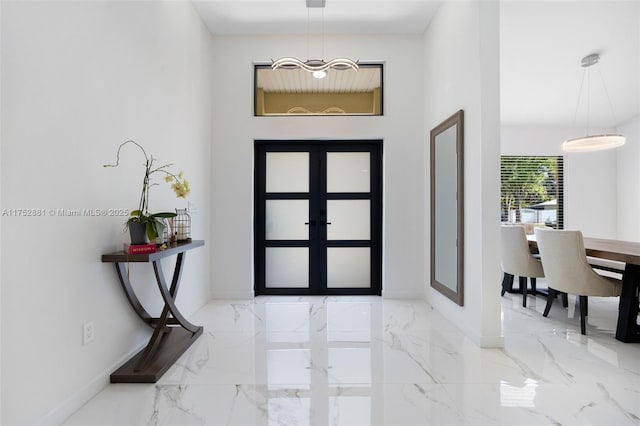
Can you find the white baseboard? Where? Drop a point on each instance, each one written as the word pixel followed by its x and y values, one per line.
pixel 232 295
pixel 491 342
pixel 450 311
pixel 401 295
pixel 485 342
pixel 66 408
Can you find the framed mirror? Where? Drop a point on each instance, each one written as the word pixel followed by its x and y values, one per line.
pixel 447 207
pixel 286 92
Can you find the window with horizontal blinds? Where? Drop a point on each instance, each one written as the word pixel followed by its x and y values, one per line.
pixel 532 190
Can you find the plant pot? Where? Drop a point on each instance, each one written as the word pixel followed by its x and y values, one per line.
pixel 138 232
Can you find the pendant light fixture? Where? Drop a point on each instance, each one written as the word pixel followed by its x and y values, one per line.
pixel 590 143
pixel 317 67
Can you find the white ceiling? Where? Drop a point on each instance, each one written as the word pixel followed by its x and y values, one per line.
pixel 542 43
pixel 293 17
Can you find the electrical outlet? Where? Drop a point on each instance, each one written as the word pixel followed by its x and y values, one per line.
pixel 88 332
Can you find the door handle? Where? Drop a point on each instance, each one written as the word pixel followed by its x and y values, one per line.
pixel 325 223
pixel 312 223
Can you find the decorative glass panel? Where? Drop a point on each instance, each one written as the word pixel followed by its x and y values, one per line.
pixel 348 220
pixel 287 172
pixel 348 267
pixel 287 267
pixel 348 172
pixel 285 220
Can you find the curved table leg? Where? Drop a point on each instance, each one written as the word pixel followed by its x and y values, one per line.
pixel 172 333
pixel 169 296
pixel 123 276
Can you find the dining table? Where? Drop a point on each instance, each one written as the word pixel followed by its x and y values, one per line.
pixel 627 252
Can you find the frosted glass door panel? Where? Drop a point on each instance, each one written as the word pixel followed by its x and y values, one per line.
pixel 287 172
pixel 349 220
pixel 285 220
pixel 287 267
pixel 348 172
pixel 318 220
pixel 348 267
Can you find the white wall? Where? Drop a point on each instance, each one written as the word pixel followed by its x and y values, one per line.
pixel 78 79
pixel 1 206
pixel 462 72
pixel 628 182
pixel 590 178
pixel 629 172
pixel 235 129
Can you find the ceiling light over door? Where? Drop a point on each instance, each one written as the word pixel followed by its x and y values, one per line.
pixel 317 67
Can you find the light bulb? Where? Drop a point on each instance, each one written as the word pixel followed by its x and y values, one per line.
pixel 319 74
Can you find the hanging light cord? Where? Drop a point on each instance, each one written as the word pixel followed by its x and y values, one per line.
pixel 315 65
pixel 585 73
pixel 322 51
pixel 597 142
pixel 575 115
pixel 613 114
pixel 308 32
pixel 588 100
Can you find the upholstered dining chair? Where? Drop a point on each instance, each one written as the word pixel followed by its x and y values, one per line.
pixel 516 259
pixel 567 270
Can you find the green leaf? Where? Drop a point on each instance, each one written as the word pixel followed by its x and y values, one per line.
pixel 152 232
pixel 163 214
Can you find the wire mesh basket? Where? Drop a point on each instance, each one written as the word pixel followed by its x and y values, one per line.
pixel 182 225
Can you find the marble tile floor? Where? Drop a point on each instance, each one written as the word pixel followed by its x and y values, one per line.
pixel 371 361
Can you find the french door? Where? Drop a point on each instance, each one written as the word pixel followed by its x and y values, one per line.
pixel 318 217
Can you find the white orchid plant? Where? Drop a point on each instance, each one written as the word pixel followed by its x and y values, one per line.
pixel 179 185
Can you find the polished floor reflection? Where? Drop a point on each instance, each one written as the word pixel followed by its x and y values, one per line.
pixel 367 360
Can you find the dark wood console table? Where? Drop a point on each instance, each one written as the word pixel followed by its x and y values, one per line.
pixel 172 334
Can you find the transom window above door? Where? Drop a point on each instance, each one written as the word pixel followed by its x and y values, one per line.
pixel 295 92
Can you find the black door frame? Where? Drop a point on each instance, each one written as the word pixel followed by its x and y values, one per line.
pixel 318 197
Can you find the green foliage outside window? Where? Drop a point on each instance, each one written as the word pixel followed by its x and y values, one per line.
pixel 528 181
